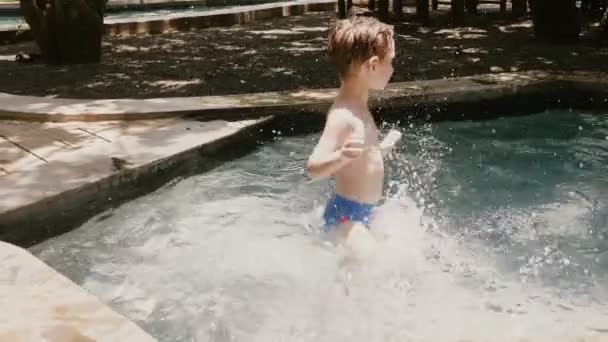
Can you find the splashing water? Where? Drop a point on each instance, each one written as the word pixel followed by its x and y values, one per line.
pixel 502 228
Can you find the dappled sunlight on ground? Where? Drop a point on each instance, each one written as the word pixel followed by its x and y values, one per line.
pixel 287 54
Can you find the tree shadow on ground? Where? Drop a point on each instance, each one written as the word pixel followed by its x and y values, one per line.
pixel 289 54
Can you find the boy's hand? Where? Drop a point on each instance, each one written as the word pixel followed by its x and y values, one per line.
pixel 391 138
pixel 387 145
pixel 352 148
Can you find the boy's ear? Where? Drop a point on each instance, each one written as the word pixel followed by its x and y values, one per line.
pixel 373 62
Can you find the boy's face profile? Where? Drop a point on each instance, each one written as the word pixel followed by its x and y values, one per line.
pixel 382 69
pixel 379 70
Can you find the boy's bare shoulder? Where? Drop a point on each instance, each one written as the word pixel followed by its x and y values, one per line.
pixel 340 112
pixel 341 117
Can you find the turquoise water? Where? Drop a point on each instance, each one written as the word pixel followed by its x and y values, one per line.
pixel 505 224
pixel 533 189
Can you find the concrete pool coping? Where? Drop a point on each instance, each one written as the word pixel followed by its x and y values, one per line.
pixel 231 16
pixel 415 93
pixel 40 304
pixel 82 163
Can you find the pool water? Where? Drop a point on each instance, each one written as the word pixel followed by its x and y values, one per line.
pixel 504 233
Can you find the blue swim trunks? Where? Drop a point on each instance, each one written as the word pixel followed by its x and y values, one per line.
pixel 340 210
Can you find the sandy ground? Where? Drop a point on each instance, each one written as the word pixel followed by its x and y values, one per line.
pixel 286 54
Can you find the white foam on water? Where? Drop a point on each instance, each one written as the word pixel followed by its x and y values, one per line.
pixel 250 270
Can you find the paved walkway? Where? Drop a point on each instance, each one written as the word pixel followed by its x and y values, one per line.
pixel 39 304
pixel 41 160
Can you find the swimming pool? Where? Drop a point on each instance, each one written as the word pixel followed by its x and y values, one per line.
pixel 505 234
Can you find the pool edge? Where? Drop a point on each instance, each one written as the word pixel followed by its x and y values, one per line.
pixel 423 94
pixel 42 303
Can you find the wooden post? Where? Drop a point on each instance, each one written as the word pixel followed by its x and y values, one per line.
pixel 520 7
pixel 603 29
pixel 422 11
pixel 342 9
pixel 435 4
pixel 585 6
pixel 458 11
pixel 471 6
pixel 383 9
pixel 597 7
pixel 503 6
pixel 371 5
pixel 397 8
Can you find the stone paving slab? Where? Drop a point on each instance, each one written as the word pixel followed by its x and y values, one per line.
pixel 46 160
pixel 39 304
pixel 59 167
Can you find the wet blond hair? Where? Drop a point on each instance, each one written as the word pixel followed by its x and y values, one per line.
pixel 356 39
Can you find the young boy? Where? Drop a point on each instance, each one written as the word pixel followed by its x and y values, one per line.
pixel 363 49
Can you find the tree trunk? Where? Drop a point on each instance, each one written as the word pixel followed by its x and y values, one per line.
pixel 503 6
pixel 67 31
pixel 398 8
pixel 471 6
pixel 556 20
pixel 422 11
pixel 383 9
pixel 458 11
pixel 520 7
pixel 603 29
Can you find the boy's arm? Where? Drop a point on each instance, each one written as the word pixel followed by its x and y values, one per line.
pixel 336 147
